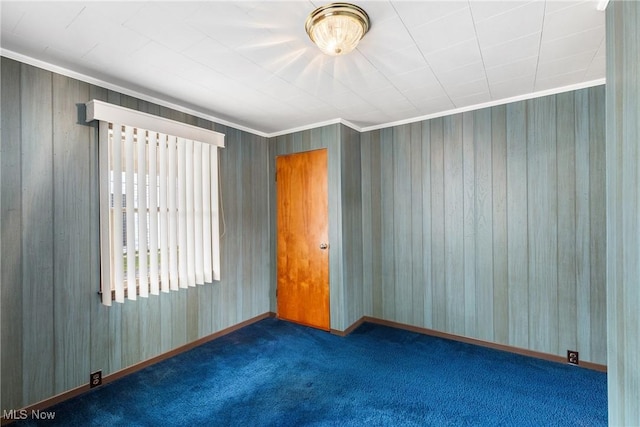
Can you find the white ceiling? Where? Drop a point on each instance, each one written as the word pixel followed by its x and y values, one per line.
pixel 251 64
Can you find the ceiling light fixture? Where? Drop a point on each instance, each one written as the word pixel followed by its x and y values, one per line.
pixel 337 27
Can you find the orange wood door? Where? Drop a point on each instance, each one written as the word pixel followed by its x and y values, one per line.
pixel 303 254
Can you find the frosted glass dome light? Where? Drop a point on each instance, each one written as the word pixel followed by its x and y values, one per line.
pixel 337 27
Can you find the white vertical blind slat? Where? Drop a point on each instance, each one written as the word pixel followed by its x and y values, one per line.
pixel 215 226
pixel 117 213
pixel 164 214
pixel 189 216
pixel 206 212
pixel 153 213
pixel 182 214
pixel 173 212
pixel 197 211
pixel 130 211
pixel 141 183
pixel 106 277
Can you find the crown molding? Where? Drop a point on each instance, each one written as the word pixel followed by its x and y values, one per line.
pixel 124 90
pixel 532 95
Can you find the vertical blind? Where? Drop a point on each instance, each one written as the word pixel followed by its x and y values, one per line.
pixel 159 226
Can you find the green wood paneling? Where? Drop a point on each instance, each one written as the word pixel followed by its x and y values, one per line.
pixel 351 201
pixel 437 287
pixel 416 230
pixel 499 215
pixel 376 225
pixel 426 225
pixel 244 241
pixel 542 214
pixel 331 135
pixel 402 224
pixel 150 327
pixel 566 161
pixel 258 207
pixel 72 235
pixel 506 225
pixel 583 222
pixel 11 267
pixel 233 209
pixel 367 207
pixel 598 221
pixel 388 224
pixel 130 333
pixel 622 213
pixel 38 345
pixel 484 297
pixel 273 144
pixel 517 225
pixel 453 225
pixel 469 229
pixel 192 320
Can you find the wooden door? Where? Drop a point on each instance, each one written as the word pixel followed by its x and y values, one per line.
pixel 302 245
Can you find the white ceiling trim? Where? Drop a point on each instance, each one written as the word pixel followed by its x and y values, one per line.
pixel 314 126
pixel 102 83
pixel 503 101
pixel 123 90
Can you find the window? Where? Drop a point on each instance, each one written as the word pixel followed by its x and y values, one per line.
pixel 159 226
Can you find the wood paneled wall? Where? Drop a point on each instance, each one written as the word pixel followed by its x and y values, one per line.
pixel 345 230
pixel 491 224
pixel 55 331
pixel 623 211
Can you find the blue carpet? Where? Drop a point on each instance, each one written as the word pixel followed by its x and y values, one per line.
pixel 275 373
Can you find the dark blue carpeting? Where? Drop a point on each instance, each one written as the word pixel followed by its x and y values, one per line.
pixel 275 373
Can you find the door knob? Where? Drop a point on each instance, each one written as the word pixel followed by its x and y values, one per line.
pixel 323 246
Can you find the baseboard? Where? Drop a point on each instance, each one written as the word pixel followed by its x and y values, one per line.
pixel 350 329
pixel 47 403
pixel 482 343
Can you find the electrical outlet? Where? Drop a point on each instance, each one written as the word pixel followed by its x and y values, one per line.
pixel 572 357
pixel 95 379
